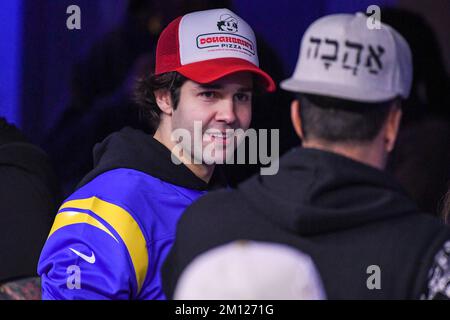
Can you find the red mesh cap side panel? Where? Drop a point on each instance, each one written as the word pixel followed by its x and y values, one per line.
pixel 168 48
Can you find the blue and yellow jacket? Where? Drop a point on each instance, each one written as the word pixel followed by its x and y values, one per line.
pixel 110 238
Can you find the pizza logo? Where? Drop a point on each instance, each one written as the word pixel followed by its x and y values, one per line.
pixel 227 23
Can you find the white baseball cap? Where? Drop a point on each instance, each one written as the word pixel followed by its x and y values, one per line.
pixel 248 270
pixel 205 46
pixel 342 58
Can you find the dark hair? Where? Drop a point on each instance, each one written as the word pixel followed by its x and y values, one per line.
pixel 145 98
pixel 341 121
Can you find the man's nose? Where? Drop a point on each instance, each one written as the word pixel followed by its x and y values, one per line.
pixel 226 111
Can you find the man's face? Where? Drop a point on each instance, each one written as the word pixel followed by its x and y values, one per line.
pixel 221 106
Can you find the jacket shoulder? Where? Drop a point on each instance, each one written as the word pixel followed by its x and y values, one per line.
pixel 107 209
pixel 127 188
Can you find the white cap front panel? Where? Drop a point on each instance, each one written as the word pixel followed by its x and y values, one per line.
pixel 342 51
pixel 213 34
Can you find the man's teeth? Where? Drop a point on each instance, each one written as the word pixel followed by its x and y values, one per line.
pixel 222 135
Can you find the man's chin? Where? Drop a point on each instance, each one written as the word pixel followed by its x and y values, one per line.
pixel 219 158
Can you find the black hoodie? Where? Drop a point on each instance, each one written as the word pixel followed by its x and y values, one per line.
pixel 346 215
pixel 28 199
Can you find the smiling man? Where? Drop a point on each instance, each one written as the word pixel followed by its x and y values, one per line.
pixel 111 236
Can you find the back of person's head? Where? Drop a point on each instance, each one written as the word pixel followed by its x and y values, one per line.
pixel 341 121
pixel 247 270
pixel 350 76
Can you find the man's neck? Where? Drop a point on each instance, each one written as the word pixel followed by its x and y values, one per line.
pixel 368 154
pixel 202 171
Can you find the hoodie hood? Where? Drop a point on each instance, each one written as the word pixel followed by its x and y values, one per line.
pixel 134 149
pixel 316 192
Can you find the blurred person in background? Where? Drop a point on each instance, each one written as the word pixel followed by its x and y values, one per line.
pixel 446 207
pixel 28 199
pixel 421 160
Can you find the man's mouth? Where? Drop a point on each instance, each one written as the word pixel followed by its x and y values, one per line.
pixel 220 137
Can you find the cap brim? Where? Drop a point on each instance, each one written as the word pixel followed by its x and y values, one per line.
pixel 337 91
pixel 212 70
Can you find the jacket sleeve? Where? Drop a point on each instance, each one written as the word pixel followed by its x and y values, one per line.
pixel 93 253
pixel 438 285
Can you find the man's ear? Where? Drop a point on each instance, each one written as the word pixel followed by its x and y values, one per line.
pixel 295 118
pixel 392 126
pixel 164 101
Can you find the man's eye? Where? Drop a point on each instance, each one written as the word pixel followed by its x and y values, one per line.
pixel 242 97
pixel 208 94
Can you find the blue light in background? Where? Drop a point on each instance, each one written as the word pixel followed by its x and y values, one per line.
pixel 10 56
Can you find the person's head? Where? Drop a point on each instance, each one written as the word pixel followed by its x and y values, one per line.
pixel 349 81
pixel 251 270
pixel 347 126
pixel 203 74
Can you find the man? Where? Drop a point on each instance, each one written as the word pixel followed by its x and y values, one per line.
pixel 110 237
pixel 103 80
pixel 331 198
pixel 28 199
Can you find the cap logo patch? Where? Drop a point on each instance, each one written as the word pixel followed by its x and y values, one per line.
pixel 227 23
pixel 354 53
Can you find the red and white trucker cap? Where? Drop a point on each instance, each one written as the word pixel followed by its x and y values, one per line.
pixel 205 46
